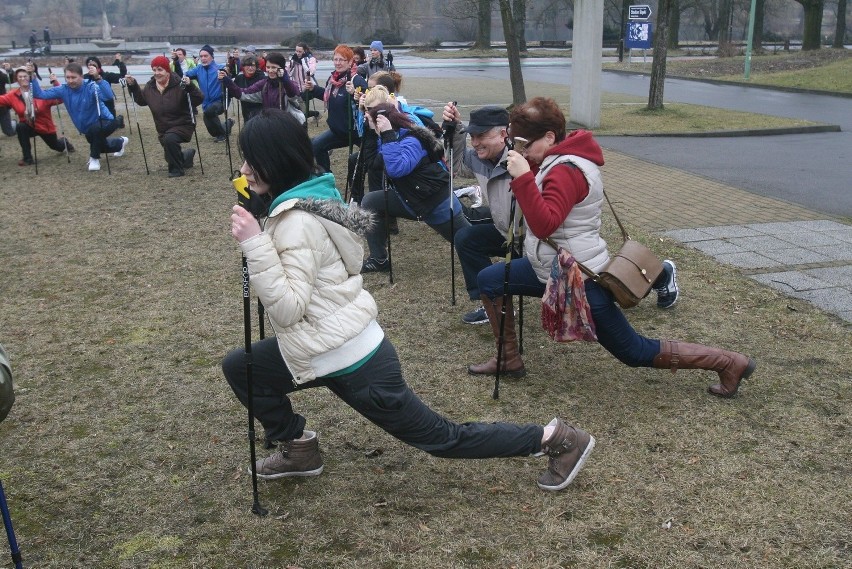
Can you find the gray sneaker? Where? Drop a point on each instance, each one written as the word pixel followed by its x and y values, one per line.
pixel 293 458
pixel 666 285
pixel 476 316
pixel 568 448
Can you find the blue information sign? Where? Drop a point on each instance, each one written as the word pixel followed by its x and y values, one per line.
pixel 639 35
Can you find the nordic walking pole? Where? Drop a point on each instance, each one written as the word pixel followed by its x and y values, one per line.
pixel 101 124
pixel 35 152
pixel 194 130
pixel 449 133
pixel 61 127
pixel 10 532
pixel 521 232
pixel 510 245
pixel 138 128
pixel 244 199
pixel 126 108
pixel 227 134
pixel 387 224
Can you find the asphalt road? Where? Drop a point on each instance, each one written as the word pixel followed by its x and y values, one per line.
pixel 813 170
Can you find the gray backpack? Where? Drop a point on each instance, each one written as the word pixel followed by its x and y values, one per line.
pixel 7 394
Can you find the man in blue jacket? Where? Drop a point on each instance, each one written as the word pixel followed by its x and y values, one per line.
pixel 207 75
pixel 85 105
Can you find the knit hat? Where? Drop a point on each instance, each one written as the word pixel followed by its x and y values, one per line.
pixel 161 61
pixel 377 45
pixel 207 48
pixel 93 59
pixel 276 58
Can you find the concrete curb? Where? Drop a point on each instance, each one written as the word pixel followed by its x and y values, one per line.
pixel 738 83
pixel 737 133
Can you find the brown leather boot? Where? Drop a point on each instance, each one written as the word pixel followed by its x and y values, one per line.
pixel 732 367
pixel 513 365
pixel 300 457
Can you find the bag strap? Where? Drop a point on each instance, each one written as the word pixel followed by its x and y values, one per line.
pixel 588 272
pixel 624 234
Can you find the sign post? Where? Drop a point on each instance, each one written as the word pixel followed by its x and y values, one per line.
pixel 639 31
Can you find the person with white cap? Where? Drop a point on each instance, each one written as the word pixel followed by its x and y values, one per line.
pixel 377 61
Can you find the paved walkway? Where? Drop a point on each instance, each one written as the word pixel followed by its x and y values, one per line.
pixel 795 250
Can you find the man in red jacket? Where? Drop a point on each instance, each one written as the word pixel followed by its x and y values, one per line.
pixel 34 118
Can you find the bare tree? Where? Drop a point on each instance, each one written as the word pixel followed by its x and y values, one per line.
pixel 674 24
pixel 840 28
pixel 658 67
pixel 812 32
pixel 516 76
pixel 519 14
pixel 483 34
pixel 222 12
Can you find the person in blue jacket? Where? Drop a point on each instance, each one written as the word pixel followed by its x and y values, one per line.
pixel 207 75
pixel 417 181
pixel 341 111
pixel 85 105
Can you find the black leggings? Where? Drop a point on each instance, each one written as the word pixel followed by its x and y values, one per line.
pixel 377 391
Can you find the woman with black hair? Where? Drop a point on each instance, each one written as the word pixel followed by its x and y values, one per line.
pixel 304 264
pixel 104 80
pixel 417 181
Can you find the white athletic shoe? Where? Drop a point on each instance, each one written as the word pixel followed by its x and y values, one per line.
pixel 94 164
pixel 124 142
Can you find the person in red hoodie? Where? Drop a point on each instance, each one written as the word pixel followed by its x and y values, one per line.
pixel 557 184
pixel 34 118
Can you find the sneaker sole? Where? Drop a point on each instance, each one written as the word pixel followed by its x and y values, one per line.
pixel 576 470
pixel 476 323
pixel 302 474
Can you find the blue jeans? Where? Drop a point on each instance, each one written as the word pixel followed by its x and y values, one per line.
pixel 377 391
pixel 97 136
pixel 377 237
pixel 614 332
pixel 327 141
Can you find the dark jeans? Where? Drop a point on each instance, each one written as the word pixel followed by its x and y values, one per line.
pixel 26 132
pixel 326 141
pixel 614 332
pixel 211 119
pixel 6 122
pixel 377 237
pixel 475 245
pixel 377 391
pixel 98 141
pixel 172 151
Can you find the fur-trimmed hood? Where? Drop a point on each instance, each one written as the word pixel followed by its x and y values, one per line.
pixel 352 217
pixel 428 140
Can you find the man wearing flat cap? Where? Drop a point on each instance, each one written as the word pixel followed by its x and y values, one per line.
pixel 486 237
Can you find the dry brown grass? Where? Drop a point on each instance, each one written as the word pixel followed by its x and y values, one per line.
pixel 126 449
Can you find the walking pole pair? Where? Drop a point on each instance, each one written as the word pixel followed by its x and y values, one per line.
pixel 244 199
pixel 10 532
pixel 449 132
pixel 138 128
pixel 387 223
pixel 194 130
pixel 101 124
pixel 227 134
pixel 126 107
pixel 61 127
pixel 510 246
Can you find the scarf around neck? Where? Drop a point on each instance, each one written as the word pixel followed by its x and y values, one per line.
pixel 336 81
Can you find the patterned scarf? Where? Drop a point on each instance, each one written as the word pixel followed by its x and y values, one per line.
pixel 565 312
pixel 336 81
pixel 27 96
